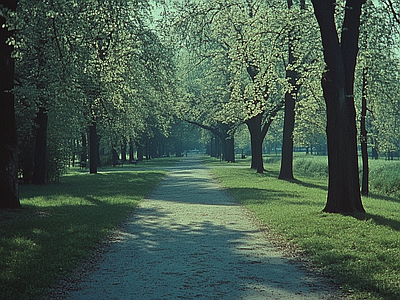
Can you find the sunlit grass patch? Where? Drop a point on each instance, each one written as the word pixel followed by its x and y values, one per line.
pixel 60 223
pixel 361 253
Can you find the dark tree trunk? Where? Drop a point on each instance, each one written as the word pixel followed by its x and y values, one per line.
pixel 286 171
pixel 254 126
pixel 147 149
pixel 39 171
pixel 364 138
pixel 337 83
pixel 217 146
pixel 123 151
pixel 114 157
pixel 229 150
pixel 212 147
pixel 140 152
pixel 93 144
pixel 9 196
pixel 84 148
pixel 131 150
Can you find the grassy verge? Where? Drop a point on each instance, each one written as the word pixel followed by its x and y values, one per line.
pixel 360 253
pixel 61 223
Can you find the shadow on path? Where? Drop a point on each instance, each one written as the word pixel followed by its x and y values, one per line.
pixel 191 240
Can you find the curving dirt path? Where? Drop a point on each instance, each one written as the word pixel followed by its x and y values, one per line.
pixel 191 240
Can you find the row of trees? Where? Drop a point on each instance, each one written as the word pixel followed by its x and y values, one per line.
pixel 241 62
pixel 97 66
pixel 82 68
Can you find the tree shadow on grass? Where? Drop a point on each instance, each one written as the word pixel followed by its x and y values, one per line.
pixel 384 197
pixel 60 223
pixel 309 184
pixel 380 220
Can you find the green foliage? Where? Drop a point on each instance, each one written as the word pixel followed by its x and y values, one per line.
pixel 89 61
pixel 60 224
pixel 312 166
pixel 385 177
pixel 360 253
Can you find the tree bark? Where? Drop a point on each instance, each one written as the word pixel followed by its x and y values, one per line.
pixel 9 195
pixel 114 157
pixel 84 148
pixel 286 171
pixel 364 137
pixel 139 151
pixel 93 142
pixel 229 151
pixel 131 150
pixel 256 138
pixel 39 171
pixel 337 83
pixel 123 151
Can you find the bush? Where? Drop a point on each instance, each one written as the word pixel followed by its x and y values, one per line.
pixel 385 177
pixel 312 166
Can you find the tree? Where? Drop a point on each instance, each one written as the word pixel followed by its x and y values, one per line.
pixel 9 196
pixel 338 88
pixel 376 83
pixel 286 171
pixel 244 38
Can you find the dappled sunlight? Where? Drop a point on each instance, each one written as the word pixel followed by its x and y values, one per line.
pixel 191 239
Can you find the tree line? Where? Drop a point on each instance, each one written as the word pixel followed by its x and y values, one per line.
pixel 106 69
pixel 82 73
pixel 321 62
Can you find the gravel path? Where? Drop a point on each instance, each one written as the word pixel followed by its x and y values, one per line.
pixel 191 240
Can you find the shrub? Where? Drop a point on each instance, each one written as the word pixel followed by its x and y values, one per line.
pixel 312 166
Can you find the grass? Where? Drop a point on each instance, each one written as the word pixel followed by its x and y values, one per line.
pixel 61 223
pixel 384 175
pixel 360 253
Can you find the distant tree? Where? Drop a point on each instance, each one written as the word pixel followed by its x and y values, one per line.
pixel 9 196
pixel 338 87
pixel 376 73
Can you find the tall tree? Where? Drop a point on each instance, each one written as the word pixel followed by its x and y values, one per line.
pixel 286 171
pixel 338 88
pixel 9 196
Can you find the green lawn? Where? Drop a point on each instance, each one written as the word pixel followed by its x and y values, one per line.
pixel 61 223
pixel 360 253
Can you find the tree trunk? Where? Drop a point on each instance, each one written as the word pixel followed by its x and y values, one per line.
pixel 93 148
pixel 84 148
pixel 337 83
pixel 9 196
pixel 286 171
pixel 212 147
pixel 123 151
pixel 39 171
pixel 139 152
pixel 364 137
pixel 131 150
pixel 114 157
pixel 254 126
pixel 229 149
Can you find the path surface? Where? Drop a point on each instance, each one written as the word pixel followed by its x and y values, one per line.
pixel 191 240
